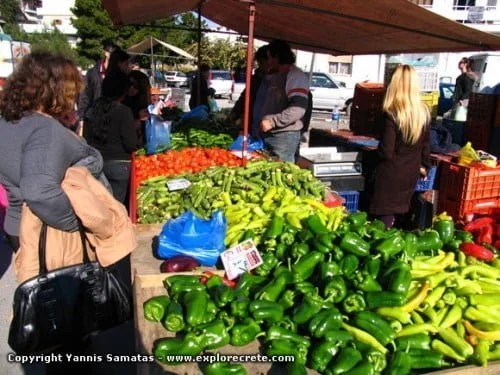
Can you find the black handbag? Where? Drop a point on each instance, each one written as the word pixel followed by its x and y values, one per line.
pixel 60 307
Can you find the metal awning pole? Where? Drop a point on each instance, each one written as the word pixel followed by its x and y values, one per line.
pixel 152 61
pixel 311 70
pixel 248 78
pixel 198 88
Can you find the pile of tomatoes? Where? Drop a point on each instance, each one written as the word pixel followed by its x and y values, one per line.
pixel 187 160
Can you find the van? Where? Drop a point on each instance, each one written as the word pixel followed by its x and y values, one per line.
pixel 486 66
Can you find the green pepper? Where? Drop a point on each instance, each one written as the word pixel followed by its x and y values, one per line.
pixel 305 235
pixel 173 320
pixel 335 289
pixel 321 354
pixel 166 350
pixel 185 279
pixel 445 229
pixel 326 239
pixel 353 243
pixel 269 262
pixel 287 323
pixel 354 302
pixel 239 307
pixel 362 368
pixel 228 319
pixel 271 312
pixel 181 287
pixel 282 347
pixel 287 299
pixel 210 313
pixel 249 235
pixel 377 234
pixel 154 308
pixel 310 306
pixel 377 225
pixel 213 335
pixel 304 268
pixel 411 244
pixel 345 360
pixel 429 241
pixel 282 270
pixel 399 280
pixel 391 247
pixel 338 336
pixel 305 287
pixel 377 359
pixel 195 303
pixel 366 283
pixel 247 282
pixel 357 219
pixel 245 332
pixel 328 270
pixel 299 250
pixel 273 289
pixel 281 251
pixel 418 341
pixel 348 265
pixel 321 248
pixel 315 225
pixel 375 326
pixel 453 245
pixel 275 228
pixel 421 359
pixel 384 299
pixel 223 295
pixel 481 352
pixel 276 332
pixel 372 266
pixel 287 238
pixel 400 364
pixel 296 368
pixel 213 281
pixel 324 321
pixel 224 368
pixel 464 236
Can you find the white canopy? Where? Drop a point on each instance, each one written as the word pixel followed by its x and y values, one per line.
pixel 152 41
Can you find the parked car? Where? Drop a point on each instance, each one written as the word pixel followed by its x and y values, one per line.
pixel 330 94
pixel 176 79
pixel 222 82
pixel 446 91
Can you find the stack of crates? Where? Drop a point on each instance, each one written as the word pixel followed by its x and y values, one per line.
pixel 468 190
pixel 482 117
pixel 431 99
pixel 351 200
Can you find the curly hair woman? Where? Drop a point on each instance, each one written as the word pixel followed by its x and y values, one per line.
pixel 35 148
pixel 404 146
pixel 111 129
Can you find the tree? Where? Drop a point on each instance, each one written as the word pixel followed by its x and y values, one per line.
pixel 94 26
pixel 9 12
pixel 51 41
pixel 222 54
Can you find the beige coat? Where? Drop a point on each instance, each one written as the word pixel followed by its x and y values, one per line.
pixel 108 229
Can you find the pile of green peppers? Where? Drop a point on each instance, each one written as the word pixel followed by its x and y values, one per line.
pixel 361 300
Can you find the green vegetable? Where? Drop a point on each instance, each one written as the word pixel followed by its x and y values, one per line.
pixel 446 350
pixel 279 347
pixel 287 299
pixel 399 279
pixel 325 321
pixel 321 354
pixel 346 360
pixel 154 308
pixel 375 326
pixel 366 283
pixel 358 219
pixel 269 263
pixel 338 336
pixel 173 320
pixel 418 341
pixel 185 279
pixel 372 266
pixel 425 359
pixel 273 289
pixel 377 359
pixel 299 250
pixel 304 268
pixel 445 229
pixel 275 228
pixel 481 352
pixel 354 244
pixel 213 335
pixel 279 333
pixel 400 364
pixel 353 302
pixel 315 225
pixel 450 337
pixel 429 241
pixel 247 282
pixel 271 312
pixel 364 338
pixel 239 307
pixel 189 345
pixel 195 303
pixel 310 306
pixel 328 270
pixel 348 265
pixel 384 299
pixel 391 247
pixel 223 295
pixel 224 368
pixel 245 332
pixel 362 368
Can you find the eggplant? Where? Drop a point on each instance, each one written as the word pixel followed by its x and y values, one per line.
pixel 179 263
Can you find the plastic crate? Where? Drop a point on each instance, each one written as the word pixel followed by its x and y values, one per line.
pixel 460 209
pixel 424 184
pixel 431 99
pixel 368 96
pixel 351 200
pixel 481 109
pixel 464 183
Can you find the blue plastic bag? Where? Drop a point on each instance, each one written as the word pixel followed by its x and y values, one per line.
pixel 198 238
pixel 252 144
pixel 200 112
pixel 157 135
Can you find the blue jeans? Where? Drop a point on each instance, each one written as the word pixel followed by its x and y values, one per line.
pixel 118 174
pixel 284 145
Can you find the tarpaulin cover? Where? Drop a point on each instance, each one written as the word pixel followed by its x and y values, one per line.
pixel 338 27
pixel 146 45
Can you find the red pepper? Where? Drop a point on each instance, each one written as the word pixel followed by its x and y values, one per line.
pixel 485 235
pixel 477 251
pixel 225 280
pixel 478 224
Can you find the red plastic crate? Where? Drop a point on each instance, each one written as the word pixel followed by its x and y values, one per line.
pixel 461 183
pixel 481 109
pixel 368 96
pixel 460 209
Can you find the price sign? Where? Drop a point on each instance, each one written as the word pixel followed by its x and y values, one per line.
pixel 178 184
pixel 240 258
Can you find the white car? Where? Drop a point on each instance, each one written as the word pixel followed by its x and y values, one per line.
pixel 222 82
pixel 330 94
pixel 176 79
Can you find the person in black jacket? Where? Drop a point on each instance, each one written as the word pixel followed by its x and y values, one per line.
pixel 205 92
pixel 111 129
pixel 464 83
pixel 93 81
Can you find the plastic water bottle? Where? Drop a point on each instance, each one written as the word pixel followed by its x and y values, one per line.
pixel 336 116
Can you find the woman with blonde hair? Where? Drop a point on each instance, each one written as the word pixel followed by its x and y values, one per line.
pixel 404 147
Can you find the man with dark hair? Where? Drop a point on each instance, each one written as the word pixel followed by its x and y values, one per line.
pixel 93 80
pixel 205 92
pixel 287 101
pixel 257 78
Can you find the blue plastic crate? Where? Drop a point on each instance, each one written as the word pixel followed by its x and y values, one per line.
pixel 424 184
pixel 351 200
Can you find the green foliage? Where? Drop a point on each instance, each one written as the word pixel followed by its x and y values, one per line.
pixel 51 41
pixel 94 26
pixel 9 12
pixel 221 53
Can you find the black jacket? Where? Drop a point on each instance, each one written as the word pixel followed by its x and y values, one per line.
pixel 92 90
pixel 463 87
pixel 204 93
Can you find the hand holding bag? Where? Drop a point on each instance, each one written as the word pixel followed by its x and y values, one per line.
pixel 57 308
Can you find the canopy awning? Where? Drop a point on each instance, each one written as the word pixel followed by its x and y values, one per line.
pixel 147 43
pixel 340 27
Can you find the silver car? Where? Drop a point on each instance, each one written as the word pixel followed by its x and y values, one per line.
pixel 222 82
pixel 176 79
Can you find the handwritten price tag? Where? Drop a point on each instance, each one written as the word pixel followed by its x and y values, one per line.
pixel 240 258
pixel 178 184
